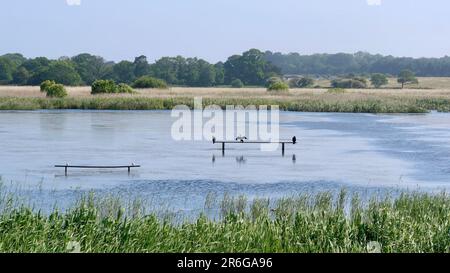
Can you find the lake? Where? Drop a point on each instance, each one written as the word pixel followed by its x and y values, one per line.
pixel 361 152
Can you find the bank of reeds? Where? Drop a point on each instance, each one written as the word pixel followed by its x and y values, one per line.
pixel 328 103
pixel 412 222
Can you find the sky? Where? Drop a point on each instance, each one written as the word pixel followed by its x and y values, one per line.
pixel 216 29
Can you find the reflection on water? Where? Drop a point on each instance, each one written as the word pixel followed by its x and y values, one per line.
pixel 354 150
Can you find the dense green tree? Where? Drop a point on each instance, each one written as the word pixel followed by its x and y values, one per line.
pixel 59 71
pixel 237 83
pixel 124 72
pixel 89 67
pixel 220 73
pixel 6 71
pixel 36 64
pixel 141 66
pixel 406 77
pixel 15 58
pixel 251 67
pixel 378 80
pixel 167 69
pixel 359 63
pixel 21 76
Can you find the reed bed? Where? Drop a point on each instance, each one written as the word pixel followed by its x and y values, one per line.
pixel 330 103
pixel 321 223
pixel 304 100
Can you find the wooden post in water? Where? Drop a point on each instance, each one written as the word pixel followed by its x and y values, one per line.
pixel 223 148
pixel 282 148
pixel 65 169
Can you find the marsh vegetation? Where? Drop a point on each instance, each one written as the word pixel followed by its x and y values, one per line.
pixel 324 222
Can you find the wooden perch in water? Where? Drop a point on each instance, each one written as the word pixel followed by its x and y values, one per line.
pixel 67 166
pixel 243 140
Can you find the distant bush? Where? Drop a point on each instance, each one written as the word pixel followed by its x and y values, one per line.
pixel 56 91
pixel 124 88
pixel 336 91
pixel 378 80
pixel 360 83
pixel 273 80
pixel 302 82
pixel 149 82
pixel 278 86
pixel 46 84
pixel 237 83
pixel 103 86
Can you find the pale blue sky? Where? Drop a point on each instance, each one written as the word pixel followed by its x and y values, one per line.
pixel 216 29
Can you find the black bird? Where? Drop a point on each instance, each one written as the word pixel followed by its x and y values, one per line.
pixel 294 140
pixel 241 139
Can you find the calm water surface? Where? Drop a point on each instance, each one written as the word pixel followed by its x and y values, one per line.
pixel 361 152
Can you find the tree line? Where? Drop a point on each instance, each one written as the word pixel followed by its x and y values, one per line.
pixel 251 68
pixel 358 63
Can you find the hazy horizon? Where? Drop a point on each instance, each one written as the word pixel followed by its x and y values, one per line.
pixel 214 30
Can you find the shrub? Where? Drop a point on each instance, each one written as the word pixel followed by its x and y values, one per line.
pixel 349 83
pixel 103 86
pixel 149 82
pixel 46 84
pixel 237 83
pixel 273 80
pixel 124 88
pixel 378 80
pixel 303 82
pixel 56 91
pixel 278 86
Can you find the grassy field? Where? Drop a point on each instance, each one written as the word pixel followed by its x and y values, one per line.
pixel 322 223
pixel 308 100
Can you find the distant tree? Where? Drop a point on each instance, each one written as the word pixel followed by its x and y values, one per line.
pixel 251 67
pixel 237 83
pixel 168 69
pixel 36 67
pixel 16 59
pixel 220 73
pixel 378 80
pixel 89 67
pixel 407 77
pixel 21 76
pixel 124 72
pixel 60 71
pixel 141 66
pixel 149 82
pixel 6 71
pixel 207 73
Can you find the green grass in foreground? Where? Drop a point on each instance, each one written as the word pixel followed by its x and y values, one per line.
pixel 328 104
pixel 321 223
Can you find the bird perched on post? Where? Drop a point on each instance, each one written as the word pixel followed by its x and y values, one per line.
pixel 241 138
pixel 214 140
pixel 294 140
